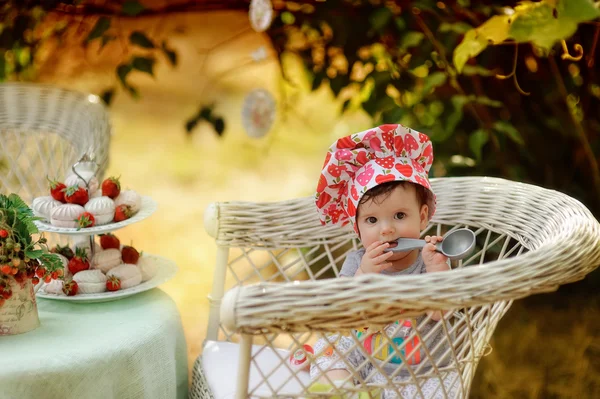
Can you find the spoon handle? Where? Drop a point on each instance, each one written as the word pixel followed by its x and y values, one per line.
pixel 407 244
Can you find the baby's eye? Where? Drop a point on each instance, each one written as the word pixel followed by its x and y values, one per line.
pixel 371 220
pixel 400 215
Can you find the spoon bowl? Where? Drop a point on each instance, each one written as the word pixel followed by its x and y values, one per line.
pixel 457 244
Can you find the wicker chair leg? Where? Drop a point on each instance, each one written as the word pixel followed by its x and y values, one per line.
pixel 199 388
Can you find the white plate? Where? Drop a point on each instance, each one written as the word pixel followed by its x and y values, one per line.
pixel 165 271
pixel 148 207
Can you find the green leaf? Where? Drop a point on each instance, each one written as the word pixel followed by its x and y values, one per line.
pixel 477 140
pixel 107 96
pixel 144 64
pixel 510 131
pixel 170 54
pixel 132 8
pixel 380 18
pixel 34 253
pixel 470 46
pixel 122 72
pixel 140 39
pixel 400 24
pixel 101 26
pixel 434 80
pixel 471 70
pixel 543 24
pixel 493 31
pixel 411 39
pixel 457 27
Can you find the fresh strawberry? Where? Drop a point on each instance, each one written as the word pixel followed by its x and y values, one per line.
pixel 57 190
pixel 108 241
pixel 6 269
pixel 64 251
pixel 113 283
pixel 111 187
pixel 70 288
pixel 76 195
pixel 123 212
pixel 3 233
pixel 130 255
pixel 79 262
pixel 86 219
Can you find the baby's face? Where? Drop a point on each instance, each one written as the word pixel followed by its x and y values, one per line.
pixel 397 216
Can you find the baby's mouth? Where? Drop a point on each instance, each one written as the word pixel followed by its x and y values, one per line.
pixel 392 244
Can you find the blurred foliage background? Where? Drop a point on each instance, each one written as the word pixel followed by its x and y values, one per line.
pixel 503 89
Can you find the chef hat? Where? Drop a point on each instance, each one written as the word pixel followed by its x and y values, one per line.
pixel 356 163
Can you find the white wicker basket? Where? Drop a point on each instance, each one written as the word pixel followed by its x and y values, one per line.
pixel 44 130
pixel 530 240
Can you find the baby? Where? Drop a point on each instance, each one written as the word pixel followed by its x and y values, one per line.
pixel 377 181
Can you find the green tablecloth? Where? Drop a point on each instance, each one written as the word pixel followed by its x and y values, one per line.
pixel 130 348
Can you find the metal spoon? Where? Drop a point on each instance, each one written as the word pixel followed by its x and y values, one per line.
pixel 457 244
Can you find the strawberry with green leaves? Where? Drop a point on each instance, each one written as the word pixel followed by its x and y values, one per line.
pixel 123 212
pixel 57 190
pixel 86 219
pixel 113 283
pixel 79 262
pixel 70 288
pixel 76 195
pixel 111 187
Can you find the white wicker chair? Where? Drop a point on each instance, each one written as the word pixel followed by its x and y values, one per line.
pixel 44 130
pixel 530 240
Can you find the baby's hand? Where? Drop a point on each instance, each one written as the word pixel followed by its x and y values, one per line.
pixel 434 261
pixel 374 259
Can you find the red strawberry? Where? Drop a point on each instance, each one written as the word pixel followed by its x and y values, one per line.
pixel 335 170
pixel 130 255
pixel 57 190
pixel 322 183
pixel 362 157
pixel 70 288
pixel 387 162
pixel 113 283
pixel 398 145
pixel 111 187
pixel 3 233
pixel 323 200
pixel 86 219
pixel 365 177
pixel 384 178
pixel 345 142
pixel 411 143
pixel 406 170
pixel 108 241
pixel 351 209
pixel 76 195
pixel 79 262
pixel 123 212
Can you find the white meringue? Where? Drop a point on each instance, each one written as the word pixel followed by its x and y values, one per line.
pixel 148 267
pixel 129 275
pixel 65 263
pixel 131 199
pixel 90 281
pixel 54 287
pixel 103 209
pixel 72 180
pixel 65 215
pixel 106 260
pixel 42 206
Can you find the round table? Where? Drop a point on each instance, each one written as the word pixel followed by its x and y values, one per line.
pixel 130 348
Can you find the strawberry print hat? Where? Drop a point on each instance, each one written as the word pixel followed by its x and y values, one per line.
pixel 356 163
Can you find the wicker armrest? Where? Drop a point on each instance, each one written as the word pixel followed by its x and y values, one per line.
pixel 328 305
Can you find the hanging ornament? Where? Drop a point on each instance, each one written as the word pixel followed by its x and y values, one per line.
pixel 258 113
pixel 261 14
